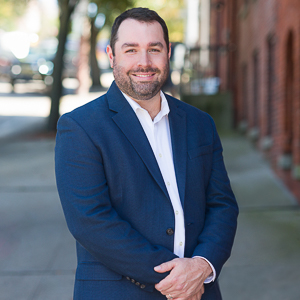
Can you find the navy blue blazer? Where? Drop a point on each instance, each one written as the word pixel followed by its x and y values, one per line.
pixel 116 203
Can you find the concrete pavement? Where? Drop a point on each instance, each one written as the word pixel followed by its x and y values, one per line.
pixel 37 254
pixel 26 110
pixel 265 261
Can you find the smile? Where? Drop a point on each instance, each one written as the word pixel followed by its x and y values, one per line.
pixel 143 76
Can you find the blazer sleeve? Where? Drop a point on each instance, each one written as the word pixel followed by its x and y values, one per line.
pixel 92 220
pixel 216 239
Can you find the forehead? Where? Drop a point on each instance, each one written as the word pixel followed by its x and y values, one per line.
pixel 133 31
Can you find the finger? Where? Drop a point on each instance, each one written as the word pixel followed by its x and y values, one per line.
pixel 164 267
pixel 177 295
pixel 202 290
pixel 164 286
pixel 168 288
pixel 194 297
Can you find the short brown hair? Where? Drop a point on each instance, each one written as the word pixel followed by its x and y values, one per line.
pixel 140 14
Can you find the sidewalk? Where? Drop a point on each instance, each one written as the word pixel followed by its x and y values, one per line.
pixel 37 253
pixel 265 261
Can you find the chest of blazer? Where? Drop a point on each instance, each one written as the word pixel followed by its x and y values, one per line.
pixel 136 187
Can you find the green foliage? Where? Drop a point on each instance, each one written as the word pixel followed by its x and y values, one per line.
pixel 112 8
pixel 171 11
pixel 10 11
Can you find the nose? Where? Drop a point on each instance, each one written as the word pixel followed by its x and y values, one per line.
pixel 144 59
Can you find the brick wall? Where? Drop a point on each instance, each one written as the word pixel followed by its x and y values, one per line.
pixel 264 74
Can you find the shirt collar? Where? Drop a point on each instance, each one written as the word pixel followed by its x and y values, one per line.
pixel 164 109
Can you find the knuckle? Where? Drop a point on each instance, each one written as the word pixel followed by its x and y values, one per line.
pixel 176 260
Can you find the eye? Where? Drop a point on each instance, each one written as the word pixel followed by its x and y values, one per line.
pixel 154 50
pixel 130 51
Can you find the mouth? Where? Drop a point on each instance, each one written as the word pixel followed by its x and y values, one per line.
pixel 143 76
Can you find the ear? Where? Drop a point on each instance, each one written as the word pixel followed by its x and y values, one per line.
pixel 169 54
pixel 110 55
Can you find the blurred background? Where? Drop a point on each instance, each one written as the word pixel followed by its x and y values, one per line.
pixel 238 60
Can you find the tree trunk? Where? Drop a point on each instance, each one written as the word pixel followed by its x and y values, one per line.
pixel 95 70
pixel 83 70
pixel 56 91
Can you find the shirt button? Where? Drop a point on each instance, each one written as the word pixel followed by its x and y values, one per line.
pixel 170 231
pixel 168 183
pixel 176 212
pixel 160 155
pixel 180 244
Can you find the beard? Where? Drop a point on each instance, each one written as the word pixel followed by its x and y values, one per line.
pixel 145 90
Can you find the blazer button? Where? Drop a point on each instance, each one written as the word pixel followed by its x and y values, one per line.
pixel 142 286
pixel 170 231
pixel 132 280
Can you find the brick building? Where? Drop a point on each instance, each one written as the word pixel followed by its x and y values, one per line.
pixel 261 67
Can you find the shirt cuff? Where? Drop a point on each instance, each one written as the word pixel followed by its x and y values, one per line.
pixel 211 277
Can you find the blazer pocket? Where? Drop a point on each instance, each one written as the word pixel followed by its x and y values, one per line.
pixel 207 149
pixel 95 271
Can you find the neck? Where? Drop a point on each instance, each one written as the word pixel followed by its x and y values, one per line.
pixel 152 105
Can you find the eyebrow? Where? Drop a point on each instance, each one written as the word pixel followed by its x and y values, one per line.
pixel 159 44
pixel 152 44
pixel 129 45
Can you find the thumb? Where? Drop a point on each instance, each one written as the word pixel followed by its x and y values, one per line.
pixel 165 267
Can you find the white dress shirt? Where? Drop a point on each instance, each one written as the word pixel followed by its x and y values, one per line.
pixel 159 137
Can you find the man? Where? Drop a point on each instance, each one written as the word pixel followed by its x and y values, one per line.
pixel 142 180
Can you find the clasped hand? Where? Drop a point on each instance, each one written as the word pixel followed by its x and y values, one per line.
pixel 186 279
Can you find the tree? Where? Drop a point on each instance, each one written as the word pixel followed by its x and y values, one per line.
pixel 102 12
pixel 66 9
pixel 172 11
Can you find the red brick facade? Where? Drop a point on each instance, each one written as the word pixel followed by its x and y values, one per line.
pixel 263 72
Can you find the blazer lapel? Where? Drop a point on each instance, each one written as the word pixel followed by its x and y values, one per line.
pixel 127 121
pixel 177 120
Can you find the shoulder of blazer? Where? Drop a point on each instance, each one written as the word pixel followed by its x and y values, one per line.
pixel 89 109
pixel 191 111
pixel 99 108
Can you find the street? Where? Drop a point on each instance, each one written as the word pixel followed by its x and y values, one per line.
pixel 28 108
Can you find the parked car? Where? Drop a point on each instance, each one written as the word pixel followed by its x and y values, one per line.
pixel 38 64
pixel 33 67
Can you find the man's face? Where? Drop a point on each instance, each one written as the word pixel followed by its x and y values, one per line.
pixel 141 61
